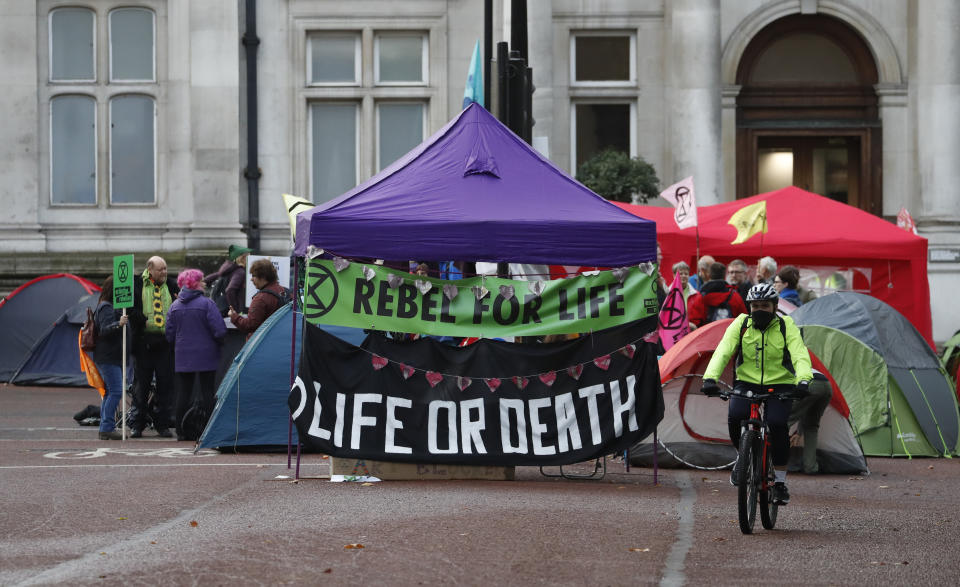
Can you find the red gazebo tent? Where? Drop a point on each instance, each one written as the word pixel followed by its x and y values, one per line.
pixel 810 231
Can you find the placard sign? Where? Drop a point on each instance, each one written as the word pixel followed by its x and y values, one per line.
pixel 123 282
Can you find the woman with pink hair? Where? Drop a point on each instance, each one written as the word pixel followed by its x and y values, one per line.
pixel 196 329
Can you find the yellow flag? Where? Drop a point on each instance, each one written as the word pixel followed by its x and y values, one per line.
pixel 294 206
pixel 749 220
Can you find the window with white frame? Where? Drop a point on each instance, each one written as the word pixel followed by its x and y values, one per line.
pixel 361 120
pixel 399 129
pixel 72 37
pixel 400 59
pixel 113 111
pixel 604 92
pixel 334 143
pixel 131 45
pixel 600 127
pixel 132 149
pixel 334 58
pixel 73 153
pixel 603 59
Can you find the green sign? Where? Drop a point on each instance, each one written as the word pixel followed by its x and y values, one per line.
pixel 123 281
pixel 370 296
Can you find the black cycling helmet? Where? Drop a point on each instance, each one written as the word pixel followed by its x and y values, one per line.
pixel 762 292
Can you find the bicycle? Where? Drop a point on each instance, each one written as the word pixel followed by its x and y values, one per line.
pixel 754 472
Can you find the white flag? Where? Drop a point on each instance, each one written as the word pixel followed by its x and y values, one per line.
pixel 680 195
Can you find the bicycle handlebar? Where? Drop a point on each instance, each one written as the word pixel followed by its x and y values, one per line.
pixel 762 396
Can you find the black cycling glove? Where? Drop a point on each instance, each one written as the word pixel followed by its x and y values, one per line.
pixel 710 388
pixel 803 388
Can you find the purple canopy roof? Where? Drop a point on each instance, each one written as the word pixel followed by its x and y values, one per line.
pixel 475 191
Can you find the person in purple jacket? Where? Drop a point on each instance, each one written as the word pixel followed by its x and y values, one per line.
pixel 196 329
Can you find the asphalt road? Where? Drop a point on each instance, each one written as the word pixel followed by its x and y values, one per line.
pixel 80 511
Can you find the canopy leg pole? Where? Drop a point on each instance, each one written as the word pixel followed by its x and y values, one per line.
pixel 293 346
pixel 655 470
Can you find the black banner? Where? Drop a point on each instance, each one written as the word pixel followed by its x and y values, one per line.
pixel 491 403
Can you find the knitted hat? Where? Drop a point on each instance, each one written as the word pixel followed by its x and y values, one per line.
pixel 236 251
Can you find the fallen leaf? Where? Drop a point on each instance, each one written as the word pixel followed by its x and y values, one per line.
pixel 103 553
pixel 638 549
pixel 719 539
pixel 325 457
pixel 356 545
pixel 153 542
pixel 194 523
pixel 121 518
pixel 855 478
pixel 367 484
pixel 930 467
pixel 327 570
pixel 883 487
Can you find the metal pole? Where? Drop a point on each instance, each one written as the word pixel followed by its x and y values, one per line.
pixel 123 379
pixel 252 170
pixel 487 50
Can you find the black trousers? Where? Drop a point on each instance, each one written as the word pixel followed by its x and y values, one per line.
pixel 207 394
pixel 155 361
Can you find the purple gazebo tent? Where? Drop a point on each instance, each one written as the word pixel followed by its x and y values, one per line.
pixel 474 191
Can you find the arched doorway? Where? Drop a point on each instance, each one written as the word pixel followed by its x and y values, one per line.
pixel 807 112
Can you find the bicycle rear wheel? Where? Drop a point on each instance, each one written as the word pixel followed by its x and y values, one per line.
pixel 768 509
pixel 747 480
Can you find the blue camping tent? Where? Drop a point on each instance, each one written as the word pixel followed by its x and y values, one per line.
pixel 251 409
pixel 54 358
pixel 27 313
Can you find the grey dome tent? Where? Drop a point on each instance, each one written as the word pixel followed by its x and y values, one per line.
pixel 29 311
pixel 54 358
pixel 901 401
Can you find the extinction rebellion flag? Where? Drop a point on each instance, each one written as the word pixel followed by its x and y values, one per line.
pixel 491 403
pixel 375 297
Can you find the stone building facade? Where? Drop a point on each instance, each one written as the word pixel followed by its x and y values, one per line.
pixel 125 121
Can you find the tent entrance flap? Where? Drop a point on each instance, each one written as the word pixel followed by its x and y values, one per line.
pixel 940 432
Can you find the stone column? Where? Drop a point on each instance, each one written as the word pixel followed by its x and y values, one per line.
pixel 20 188
pixel 694 90
pixel 937 91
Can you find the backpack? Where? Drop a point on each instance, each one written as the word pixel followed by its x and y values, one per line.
pixel 218 293
pixel 284 299
pixel 88 333
pixel 721 311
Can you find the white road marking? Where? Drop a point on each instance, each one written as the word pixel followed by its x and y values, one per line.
pixel 673 573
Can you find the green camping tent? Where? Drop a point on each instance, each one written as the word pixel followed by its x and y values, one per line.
pixel 901 401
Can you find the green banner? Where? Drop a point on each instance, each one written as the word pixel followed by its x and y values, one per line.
pixel 123 281
pixel 371 296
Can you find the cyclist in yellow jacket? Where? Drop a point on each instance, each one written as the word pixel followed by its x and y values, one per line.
pixel 771 356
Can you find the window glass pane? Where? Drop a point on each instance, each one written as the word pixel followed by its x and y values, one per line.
pixel 401 58
pixel 71 44
pixel 73 150
pixel 603 58
pixel 334 141
pixel 401 129
pixel 333 58
pixel 804 58
pixel 131 44
pixel 601 127
pixel 131 150
pixel 830 173
pixel 774 169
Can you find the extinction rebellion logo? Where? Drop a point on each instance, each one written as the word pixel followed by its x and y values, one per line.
pixel 322 292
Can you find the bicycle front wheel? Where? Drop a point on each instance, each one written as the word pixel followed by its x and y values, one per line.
pixel 768 509
pixel 747 480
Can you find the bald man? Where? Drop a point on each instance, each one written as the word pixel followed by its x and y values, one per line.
pixel 154 291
